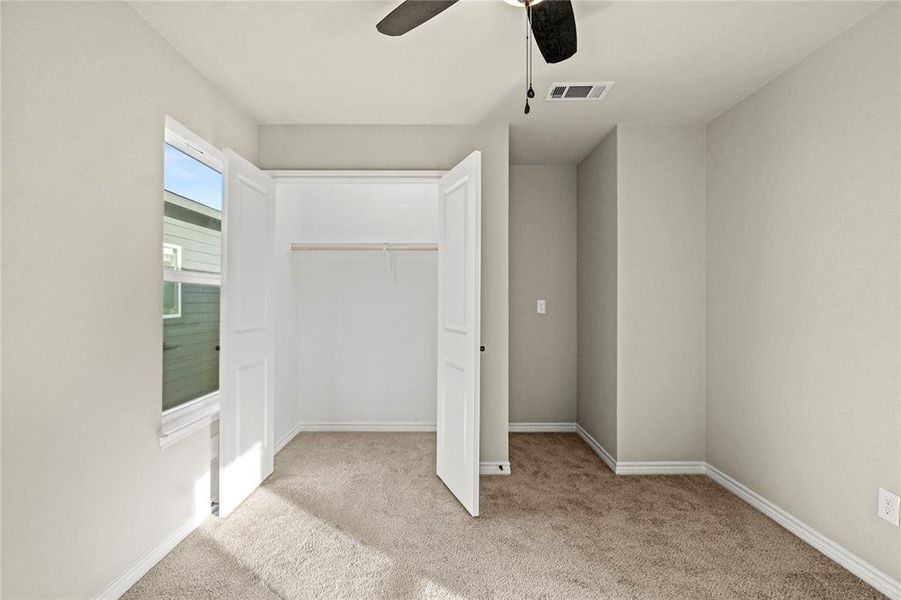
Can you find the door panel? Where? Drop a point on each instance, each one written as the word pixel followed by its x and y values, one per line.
pixel 246 404
pixel 453 229
pixel 254 209
pixel 250 392
pixel 459 262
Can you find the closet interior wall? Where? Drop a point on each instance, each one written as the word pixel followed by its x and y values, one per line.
pixel 356 341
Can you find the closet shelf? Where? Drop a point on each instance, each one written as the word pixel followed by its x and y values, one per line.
pixel 364 246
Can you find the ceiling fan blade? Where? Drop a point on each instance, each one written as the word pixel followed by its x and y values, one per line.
pixel 554 28
pixel 411 14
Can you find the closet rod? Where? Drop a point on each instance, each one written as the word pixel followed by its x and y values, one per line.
pixel 366 246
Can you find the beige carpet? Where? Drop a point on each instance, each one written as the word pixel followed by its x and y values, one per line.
pixel 362 515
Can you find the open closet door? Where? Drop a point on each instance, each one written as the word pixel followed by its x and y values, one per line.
pixel 246 361
pixel 459 262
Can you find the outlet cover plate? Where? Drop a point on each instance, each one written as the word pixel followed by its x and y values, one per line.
pixel 889 505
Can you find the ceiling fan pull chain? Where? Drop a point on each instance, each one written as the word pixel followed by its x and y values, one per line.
pixel 526 110
pixel 530 93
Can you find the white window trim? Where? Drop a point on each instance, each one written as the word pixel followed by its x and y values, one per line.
pixel 181 421
pixel 193 145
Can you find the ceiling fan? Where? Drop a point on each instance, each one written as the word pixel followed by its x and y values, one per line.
pixel 551 22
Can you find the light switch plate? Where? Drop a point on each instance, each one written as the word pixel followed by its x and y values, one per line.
pixel 541 307
pixel 889 505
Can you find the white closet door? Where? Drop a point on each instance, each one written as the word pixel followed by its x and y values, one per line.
pixel 246 361
pixel 459 261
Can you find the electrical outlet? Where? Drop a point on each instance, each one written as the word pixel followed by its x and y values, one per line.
pixel 889 505
pixel 541 307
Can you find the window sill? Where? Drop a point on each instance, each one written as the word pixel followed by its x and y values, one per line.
pixel 181 421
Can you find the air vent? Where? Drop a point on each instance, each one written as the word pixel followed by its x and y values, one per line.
pixel 578 91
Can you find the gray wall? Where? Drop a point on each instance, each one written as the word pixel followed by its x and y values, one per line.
pixel 87 491
pixel 542 265
pixel 641 293
pixel 597 303
pixel 803 288
pixel 660 293
pixel 429 147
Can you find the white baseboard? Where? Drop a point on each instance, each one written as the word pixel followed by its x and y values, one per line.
pixel 366 427
pixel 542 427
pixel 838 553
pixel 642 467
pixel 688 467
pixel 598 449
pixel 131 575
pixel 494 468
pixel 286 439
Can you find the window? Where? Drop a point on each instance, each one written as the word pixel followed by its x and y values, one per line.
pixel 171 256
pixel 191 276
pixel 171 289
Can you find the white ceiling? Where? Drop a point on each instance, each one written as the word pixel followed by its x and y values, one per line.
pixel 324 62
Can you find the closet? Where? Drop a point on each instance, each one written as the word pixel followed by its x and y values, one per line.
pixel 356 290
pixel 350 302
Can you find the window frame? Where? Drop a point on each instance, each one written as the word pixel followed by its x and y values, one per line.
pixel 180 421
